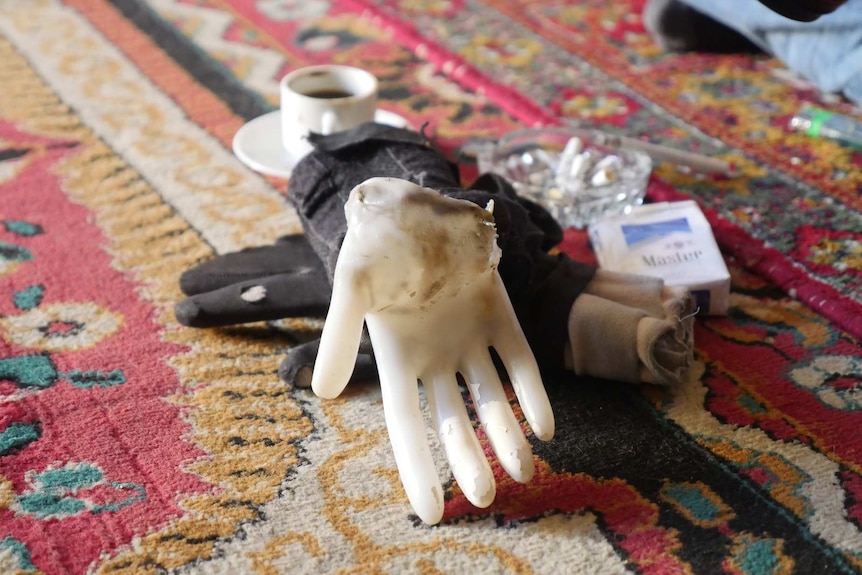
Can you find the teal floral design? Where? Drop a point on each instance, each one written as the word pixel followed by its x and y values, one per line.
pixel 17 435
pixel 28 298
pixel 29 371
pixel 12 253
pixel 38 371
pixel 23 228
pixel 90 379
pixel 754 556
pixel 15 557
pixel 62 492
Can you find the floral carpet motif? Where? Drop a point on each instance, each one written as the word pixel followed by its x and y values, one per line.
pixel 129 444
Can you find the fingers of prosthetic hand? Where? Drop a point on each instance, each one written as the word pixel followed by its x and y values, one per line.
pixel 406 428
pixel 298 365
pixel 302 293
pixel 289 254
pixel 469 466
pixel 513 349
pixel 503 430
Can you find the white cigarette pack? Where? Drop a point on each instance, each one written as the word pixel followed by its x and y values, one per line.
pixel 670 240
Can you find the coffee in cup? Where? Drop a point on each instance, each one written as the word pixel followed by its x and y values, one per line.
pixel 324 99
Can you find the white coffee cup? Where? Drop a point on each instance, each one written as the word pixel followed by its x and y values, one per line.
pixel 324 99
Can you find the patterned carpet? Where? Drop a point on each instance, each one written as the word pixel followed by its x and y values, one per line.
pixel 129 444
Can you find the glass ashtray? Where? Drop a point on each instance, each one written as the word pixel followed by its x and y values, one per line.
pixel 569 172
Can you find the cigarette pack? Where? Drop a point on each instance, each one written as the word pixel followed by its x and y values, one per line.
pixel 670 240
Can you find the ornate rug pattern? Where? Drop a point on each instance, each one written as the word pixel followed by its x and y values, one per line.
pixel 131 445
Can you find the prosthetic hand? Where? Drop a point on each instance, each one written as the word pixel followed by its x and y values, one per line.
pixel 592 322
pixel 421 270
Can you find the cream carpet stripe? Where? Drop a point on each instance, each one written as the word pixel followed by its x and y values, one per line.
pixel 347 513
pixel 231 206
pixel 261 66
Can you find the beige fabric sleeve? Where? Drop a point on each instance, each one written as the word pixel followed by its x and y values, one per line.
pixel 631 328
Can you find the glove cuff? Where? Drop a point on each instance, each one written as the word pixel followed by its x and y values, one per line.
pixel 631 328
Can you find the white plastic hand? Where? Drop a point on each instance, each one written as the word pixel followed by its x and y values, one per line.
pixel 421 270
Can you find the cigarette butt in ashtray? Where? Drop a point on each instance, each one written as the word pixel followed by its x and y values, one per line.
pixel 564 165
pixel 606 171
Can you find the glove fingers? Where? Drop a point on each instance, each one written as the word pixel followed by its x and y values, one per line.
pixel 300 294
pixel 297 366
pixel 288 255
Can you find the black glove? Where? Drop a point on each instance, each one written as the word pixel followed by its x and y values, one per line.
pixel 286 279
pixel 295 283
pixel 226 290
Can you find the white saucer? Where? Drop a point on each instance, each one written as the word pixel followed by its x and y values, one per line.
pixel 258 143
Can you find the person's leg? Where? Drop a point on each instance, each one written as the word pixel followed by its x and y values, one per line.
pixel 677 27
pixel 827 52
